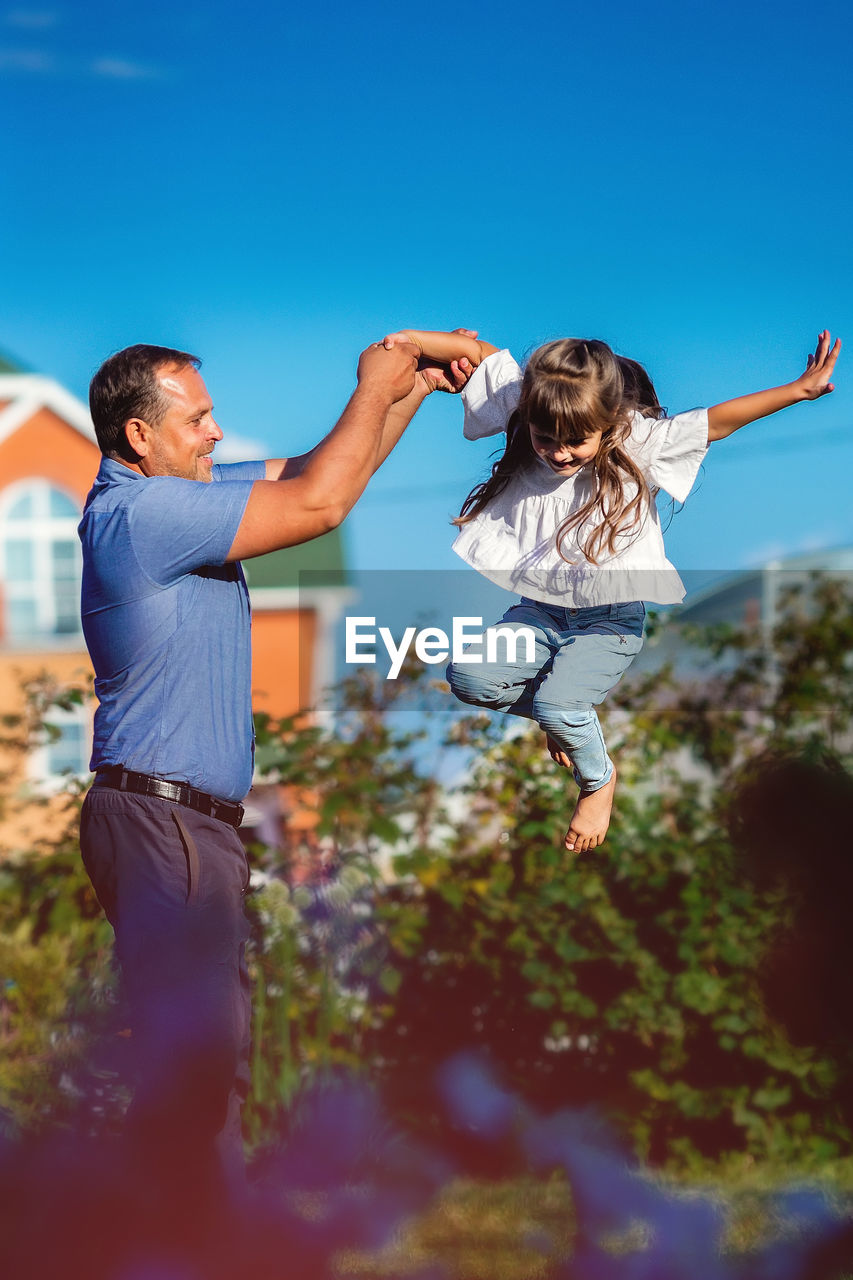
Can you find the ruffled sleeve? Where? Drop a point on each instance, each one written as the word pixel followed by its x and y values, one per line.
pixel 670 451
pixel 491 396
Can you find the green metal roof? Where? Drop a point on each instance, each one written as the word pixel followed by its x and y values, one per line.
pixel 8 365
pixel 323 557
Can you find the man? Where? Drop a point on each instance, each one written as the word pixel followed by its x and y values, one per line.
pixel 166 620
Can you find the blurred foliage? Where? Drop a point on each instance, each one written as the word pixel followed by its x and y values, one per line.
pixel 631 979
pixel 58 990
pixel 436 919
pixel 322 983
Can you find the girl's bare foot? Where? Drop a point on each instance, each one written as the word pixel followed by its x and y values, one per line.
pixel 591 818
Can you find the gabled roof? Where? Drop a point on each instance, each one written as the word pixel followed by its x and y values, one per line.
pixel 26 393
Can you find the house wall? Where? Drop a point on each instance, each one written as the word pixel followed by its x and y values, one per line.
pixel 283 648
pixel 47 448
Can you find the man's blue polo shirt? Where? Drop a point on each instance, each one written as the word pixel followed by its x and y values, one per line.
pixel 167 625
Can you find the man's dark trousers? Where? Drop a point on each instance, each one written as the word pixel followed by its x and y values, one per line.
pixel 172 883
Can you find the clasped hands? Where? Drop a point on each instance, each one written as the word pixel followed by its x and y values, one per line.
pixel 450 377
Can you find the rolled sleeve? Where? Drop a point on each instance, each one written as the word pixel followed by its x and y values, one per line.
pixel 230 471
pixel 491 396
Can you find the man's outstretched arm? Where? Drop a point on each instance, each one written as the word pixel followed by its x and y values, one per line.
pixel 399 416
pixel 315 492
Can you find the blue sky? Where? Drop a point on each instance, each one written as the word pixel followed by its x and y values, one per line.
pixel 274 188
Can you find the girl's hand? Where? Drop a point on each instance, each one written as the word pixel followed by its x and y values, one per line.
pixel 726 418
pixel 815 381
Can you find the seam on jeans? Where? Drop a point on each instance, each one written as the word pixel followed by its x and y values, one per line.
pixel 193 860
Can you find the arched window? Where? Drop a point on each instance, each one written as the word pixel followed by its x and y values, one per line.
pixel 40 562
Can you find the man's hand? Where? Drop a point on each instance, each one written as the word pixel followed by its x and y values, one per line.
pixel 815 381
pixel 400 339
pixel 390 370
pixel 445 377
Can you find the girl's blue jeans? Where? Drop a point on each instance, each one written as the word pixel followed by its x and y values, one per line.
pixel 580 654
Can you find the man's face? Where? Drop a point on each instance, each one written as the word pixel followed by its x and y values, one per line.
pixel 183 442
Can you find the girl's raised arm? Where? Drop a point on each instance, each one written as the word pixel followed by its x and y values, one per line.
pixel 445 347
pixel 726 418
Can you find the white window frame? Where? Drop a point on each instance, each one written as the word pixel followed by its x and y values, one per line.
pixel 42 530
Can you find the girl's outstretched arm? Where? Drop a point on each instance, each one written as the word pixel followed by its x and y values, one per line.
pixel 725 418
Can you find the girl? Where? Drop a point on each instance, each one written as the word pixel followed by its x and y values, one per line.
pixel 568 520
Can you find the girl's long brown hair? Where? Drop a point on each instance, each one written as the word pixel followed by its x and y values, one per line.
pixel 572 388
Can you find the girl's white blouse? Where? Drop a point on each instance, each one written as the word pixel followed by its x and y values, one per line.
pixel 514 541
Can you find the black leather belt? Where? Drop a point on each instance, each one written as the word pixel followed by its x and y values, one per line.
pixel 121 779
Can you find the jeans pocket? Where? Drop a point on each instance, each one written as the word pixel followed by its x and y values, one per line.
pixel 631 617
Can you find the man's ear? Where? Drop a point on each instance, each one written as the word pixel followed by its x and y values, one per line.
pixel 137 433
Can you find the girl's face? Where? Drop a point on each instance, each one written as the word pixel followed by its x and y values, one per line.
pixel 564 459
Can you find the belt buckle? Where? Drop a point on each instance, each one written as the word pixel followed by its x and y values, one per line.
pixel 226 811
pixel 200 801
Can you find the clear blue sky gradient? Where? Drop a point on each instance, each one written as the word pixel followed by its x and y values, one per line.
pixel 274 188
